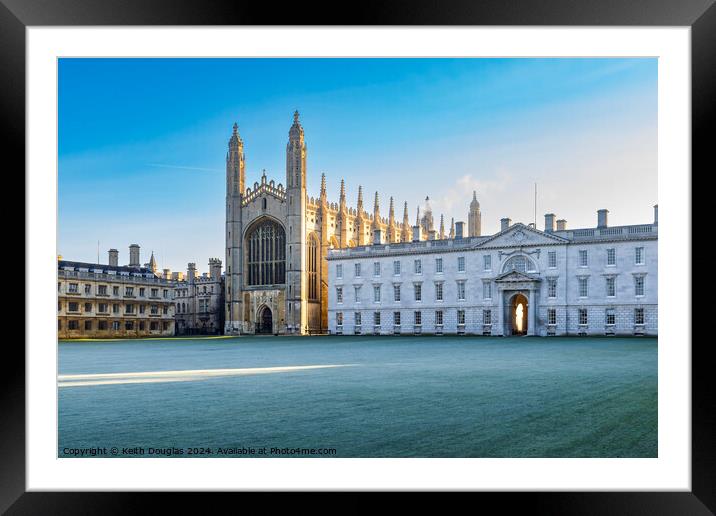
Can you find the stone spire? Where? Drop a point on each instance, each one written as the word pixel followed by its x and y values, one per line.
pixel 235 175
pixel 323 187
pixel 153 263
pixel 391 213
pixel 359 206
pixel 342 198
pixel 474 218
pixel 427 220
pixel 452 227
pixel 406 233
pixel 417 216
pixel 376 205
pixel 442 227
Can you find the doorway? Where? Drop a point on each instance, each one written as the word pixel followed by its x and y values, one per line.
pixel 265 321
pixel 518 311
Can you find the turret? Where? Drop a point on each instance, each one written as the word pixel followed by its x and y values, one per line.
pixel 406 234
pixel 474 218
pixel 441 234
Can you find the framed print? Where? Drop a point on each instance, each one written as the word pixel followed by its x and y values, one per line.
pixel 422 252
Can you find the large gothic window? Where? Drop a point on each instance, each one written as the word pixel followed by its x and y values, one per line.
pixel 266 254
pixel 312 268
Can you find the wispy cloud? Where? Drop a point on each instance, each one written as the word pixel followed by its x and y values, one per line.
pixel 181 167
pixel 455 199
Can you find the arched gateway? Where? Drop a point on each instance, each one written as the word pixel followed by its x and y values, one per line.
pixel 518 314
pixel 264 324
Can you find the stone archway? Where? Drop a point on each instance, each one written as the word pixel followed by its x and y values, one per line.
pixel 519 307
pixel 264 321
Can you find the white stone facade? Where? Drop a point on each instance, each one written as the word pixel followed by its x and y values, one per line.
pixel 612 289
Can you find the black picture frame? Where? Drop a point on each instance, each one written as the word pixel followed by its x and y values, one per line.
pixel 700 15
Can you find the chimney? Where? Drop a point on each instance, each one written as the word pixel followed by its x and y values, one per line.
pixel 191 272
pixel 656 214
pixel 417 233
pixel 549 222
pixel 431 234
pixel 459 229
pixel 113 257
pixel 215 268
pixel 134 255
pixel 505 223
pixel 377 237
pixel 561 225
pixel 167 274
pixel 602 218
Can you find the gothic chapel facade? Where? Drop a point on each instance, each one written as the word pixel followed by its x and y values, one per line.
pixel 277 241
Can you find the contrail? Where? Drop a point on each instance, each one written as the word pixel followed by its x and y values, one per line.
pixel 81 380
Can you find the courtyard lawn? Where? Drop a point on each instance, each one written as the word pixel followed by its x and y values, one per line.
pixel 393 396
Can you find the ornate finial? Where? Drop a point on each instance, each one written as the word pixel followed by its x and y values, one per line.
pixel 236 128
pixel 452 227
pixel 376 204
pixel 323 185
pixel 295 117
pixel 474 195
pixel 405 213
pixel 442 226
pixel 391 210
pixel 343 190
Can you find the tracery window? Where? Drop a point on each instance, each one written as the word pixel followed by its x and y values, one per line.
pixel 312 268
pixel 266 254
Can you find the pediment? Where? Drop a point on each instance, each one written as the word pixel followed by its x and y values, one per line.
pixel 519 235
pixel 512 276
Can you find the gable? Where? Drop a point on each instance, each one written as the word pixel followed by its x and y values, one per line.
pixel 511 276
pixel 519 235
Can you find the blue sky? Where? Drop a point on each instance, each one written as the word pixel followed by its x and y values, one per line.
pixel 142 142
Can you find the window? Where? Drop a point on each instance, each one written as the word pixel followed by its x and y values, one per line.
pixel 438 318
pixel 88 289
pixel 154 325
pixel 460 290
pixel 102 290
pixel 487 262
pixel 59 325
pixel 551 316
pixel 611 287
pixel 73 307
pixel 141 309
pixel 266 254
pixel 154 309
pixel 312 267
pixel 376 293
pixel 520 264
pixel 438 292
pixel 611 256
pixel 583 287
pixel 102 325
pixel 115 325
pixel 376 268
pixel 438 265
pixel 418 318
pixel 582 316
pixel 141 291
pixel 638 316
pixel 396 318
pixel 88 325
pixel 418 267
pixel 357 318
pixel 357 294
pixel 339 270
pixel 552 259
pixel 487 317
pixel 339 318
pixel 610 318
pixel 103 308
pixel 115 292
pixel 583 258
pixel 460 264
pixel 73 325
pixel 639 256
pixel 129 308
pixel 396 293
pixel 339 294
pixel 129 325
pixel 59 287
pixel 129 291
pixel 357 270
pixel 203 307
pixel 115 308
pixel 72 288
pixel 486 290
pixel 88 307
pixel 396 268
pixel 376 318
pixel 639 285
pixel 141 325
pixel 166 293
pixel 418 288
pixel 552 287
pixel 461 317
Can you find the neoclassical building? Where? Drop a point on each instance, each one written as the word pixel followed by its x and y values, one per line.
pixel 592 281
pixel 199 300
pixel 277 242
